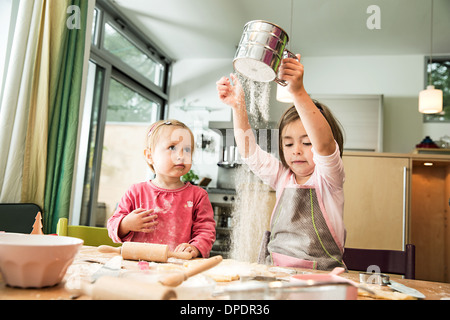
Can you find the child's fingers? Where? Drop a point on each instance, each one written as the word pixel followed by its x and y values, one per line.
pixel 143 212
pixel 223 82
pixel 138 210
pixel 234 78
pixel 149 226
pixel 149 218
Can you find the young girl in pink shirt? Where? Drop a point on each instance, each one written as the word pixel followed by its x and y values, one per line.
pixel 165 210
pixel 306 228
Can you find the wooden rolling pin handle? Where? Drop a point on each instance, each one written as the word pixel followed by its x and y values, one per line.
pixel 176 279
pixel 180 255
pixel 205 265
pixel 109 249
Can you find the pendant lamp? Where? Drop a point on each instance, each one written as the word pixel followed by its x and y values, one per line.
pixel 430 99
pixel 283 95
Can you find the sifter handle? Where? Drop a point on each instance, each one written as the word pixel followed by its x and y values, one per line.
pixel 280 82
pixel 286 54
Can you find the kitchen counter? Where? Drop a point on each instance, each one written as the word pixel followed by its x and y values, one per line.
pixel 89 260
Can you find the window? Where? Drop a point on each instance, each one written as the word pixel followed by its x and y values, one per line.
pixel 129 106
pixel 126 51
pixel 126 92
pixel 440 78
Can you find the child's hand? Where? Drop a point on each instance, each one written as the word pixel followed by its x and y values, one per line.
pixel 139 220
pixel 186 247
pixel 229 94
pixel 291 71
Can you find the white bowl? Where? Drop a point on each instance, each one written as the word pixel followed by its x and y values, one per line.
pixel 35 261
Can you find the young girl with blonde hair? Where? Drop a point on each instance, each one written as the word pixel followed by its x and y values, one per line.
pixel 306 229
pixel 165 210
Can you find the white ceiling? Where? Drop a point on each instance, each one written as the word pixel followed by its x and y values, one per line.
pixel 212 28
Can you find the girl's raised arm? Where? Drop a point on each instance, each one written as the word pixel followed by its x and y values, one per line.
pixel 317 127
pixel 233 95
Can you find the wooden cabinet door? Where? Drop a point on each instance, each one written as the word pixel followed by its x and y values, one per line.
pixel 430 232
pixel 376 201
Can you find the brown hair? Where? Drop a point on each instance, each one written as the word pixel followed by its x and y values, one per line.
pixel 154 132
pixel 291 115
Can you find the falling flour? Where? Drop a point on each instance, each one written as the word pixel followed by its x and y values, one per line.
pixel 250 214
pixel 257 98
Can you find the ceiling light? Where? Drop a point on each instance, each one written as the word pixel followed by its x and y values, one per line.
pixel 430 100
pixel 283 95
pixel 428 164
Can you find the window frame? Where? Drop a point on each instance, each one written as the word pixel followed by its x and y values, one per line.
pixel 443 116
pixel 114 68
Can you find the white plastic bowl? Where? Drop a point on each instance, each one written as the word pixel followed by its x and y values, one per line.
pixel 36 261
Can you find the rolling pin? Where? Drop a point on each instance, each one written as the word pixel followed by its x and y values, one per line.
pixel 114 288
pixel 177 278
pixel 145 251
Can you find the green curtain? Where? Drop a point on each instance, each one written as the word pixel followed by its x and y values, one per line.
pixel 64 107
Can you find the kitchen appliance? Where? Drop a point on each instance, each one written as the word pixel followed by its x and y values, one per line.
pixel 222 201
pixel 260 51
pixel 229 157
pixel 227 165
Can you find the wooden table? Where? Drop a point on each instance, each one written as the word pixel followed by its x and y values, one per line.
pixel 88 260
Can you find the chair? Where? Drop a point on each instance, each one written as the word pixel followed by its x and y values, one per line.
pixel 18 217
pixel 389 261
pixel 92 236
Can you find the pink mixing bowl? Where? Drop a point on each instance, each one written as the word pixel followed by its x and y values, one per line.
pixel 28 260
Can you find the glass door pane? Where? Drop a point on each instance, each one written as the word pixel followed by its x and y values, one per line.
pixel 128 117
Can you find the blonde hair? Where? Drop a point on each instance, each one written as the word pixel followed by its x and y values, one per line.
pixel 154 132
pixel 291 115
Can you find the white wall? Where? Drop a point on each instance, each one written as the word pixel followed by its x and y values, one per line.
pixel 398 78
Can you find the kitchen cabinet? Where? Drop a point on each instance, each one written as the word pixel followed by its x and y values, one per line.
pixel 376 200
pixel 430 210
pixel 394 199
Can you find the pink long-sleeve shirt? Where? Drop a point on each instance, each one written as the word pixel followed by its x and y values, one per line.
pixel 328 179
pixel 185 215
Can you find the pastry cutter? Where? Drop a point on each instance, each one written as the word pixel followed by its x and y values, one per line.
pixel 384 280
